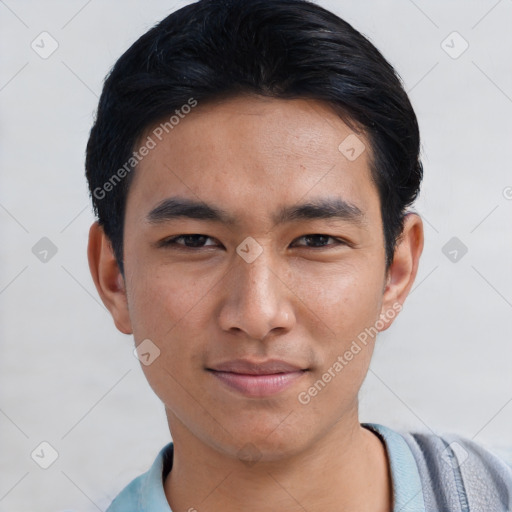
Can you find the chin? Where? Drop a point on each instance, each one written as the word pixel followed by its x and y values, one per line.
pixel 264 441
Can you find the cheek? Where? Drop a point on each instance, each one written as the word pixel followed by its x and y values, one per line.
pixel 166 299
pixel 348 303
pixel 170 308
pixel 346 298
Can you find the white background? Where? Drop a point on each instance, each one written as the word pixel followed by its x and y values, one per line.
pixel 69 378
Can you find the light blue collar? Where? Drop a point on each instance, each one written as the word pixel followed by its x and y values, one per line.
pixel 407 487
pixel 152 495
pixel 146 493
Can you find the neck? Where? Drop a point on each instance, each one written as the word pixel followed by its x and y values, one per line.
pixel 347 469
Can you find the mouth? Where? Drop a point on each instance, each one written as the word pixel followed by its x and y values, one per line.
pixel 257 380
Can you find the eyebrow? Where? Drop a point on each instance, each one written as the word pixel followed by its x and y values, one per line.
pixel 323 208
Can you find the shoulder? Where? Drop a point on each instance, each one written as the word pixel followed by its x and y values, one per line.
pixel 434 472
pixel 455 450
pixel 146 492
pixel 128 499
pixel 456 469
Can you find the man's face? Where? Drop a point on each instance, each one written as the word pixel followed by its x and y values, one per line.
pixel 299 289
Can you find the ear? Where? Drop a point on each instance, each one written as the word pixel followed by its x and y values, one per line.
pixel 403 269
pixel 108 278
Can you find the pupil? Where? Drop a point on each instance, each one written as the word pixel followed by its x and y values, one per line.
pixel 195 240
pixel 319 238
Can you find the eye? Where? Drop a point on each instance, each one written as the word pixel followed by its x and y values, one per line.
pixel 198 241
pixel 187 241
pixel 320 241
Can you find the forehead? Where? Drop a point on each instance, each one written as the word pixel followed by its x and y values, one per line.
pixel 249 153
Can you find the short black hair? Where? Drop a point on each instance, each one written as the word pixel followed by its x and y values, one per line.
pixel 286 49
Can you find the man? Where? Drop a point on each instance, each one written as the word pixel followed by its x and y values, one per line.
pixel 251 166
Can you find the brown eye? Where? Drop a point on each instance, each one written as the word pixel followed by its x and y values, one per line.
pixel 188 241
pixel 319 241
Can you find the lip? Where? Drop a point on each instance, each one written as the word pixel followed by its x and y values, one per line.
pixel 255 379
pixel 247 367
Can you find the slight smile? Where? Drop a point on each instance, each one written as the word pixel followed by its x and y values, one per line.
pixel 257 380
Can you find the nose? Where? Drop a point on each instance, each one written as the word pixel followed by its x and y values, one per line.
pixel 256 298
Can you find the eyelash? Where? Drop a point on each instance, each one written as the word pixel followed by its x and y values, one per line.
pixel 171 242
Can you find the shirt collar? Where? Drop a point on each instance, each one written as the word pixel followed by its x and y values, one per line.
pixel 406 482
pixel 152 495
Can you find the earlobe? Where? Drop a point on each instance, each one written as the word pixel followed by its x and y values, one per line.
pixel 108 278
pixel 403 269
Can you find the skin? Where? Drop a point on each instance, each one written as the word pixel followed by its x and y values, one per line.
pixel 302 300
